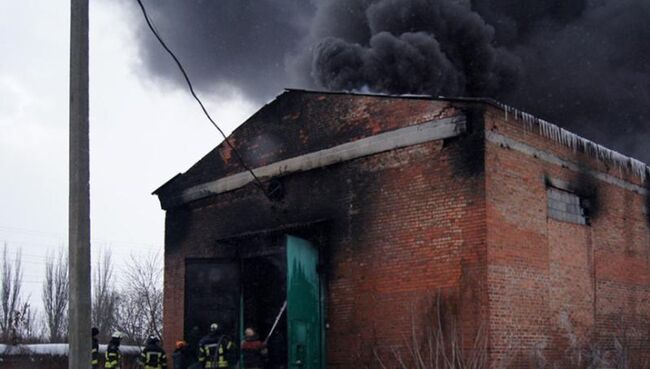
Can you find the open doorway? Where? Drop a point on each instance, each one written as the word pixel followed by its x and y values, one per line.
pixel 263 282
pixel 249 291
pixel 212 294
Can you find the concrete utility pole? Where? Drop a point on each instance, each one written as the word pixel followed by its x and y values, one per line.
pixel 79 201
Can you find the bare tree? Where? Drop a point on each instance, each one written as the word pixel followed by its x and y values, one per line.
pixel 55 296
pixel 130 320
pixel 23 325
pixel 11 278
pixel 105 296
pixel 141 301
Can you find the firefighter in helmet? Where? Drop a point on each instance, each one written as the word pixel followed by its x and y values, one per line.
pixel 113 356
pixel 216 350
pixel 153 356
pixel 94 354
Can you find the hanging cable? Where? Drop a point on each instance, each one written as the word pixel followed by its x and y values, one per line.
pixel 198 100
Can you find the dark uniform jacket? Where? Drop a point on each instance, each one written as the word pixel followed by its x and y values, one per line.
pixel 94 355
pixel 253 352
pixel 113 355
pixel 216 351
pixel 183 358
pixel 153 357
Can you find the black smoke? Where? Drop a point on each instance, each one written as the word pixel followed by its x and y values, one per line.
pixel 586 67
pixel 583 64
pixel 224 44
pixel 410 46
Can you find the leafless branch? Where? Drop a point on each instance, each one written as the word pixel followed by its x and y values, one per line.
pixel 105 296
pixel 142 298
pixel 55 296
pixel 11 277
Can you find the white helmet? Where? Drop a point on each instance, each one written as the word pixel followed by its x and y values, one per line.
pixel 117 334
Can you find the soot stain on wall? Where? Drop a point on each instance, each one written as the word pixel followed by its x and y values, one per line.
pixel 647 196
pixel 586 187
pixel 469 160
pixel 177 228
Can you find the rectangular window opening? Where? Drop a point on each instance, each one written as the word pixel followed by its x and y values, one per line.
pixel 567 206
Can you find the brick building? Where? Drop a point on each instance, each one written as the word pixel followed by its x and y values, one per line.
pixel 373 207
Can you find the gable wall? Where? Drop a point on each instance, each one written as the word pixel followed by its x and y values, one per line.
pixel 298 123
pixel 399 227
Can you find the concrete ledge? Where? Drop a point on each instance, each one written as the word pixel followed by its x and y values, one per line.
pixel 550 158
pixel 403 137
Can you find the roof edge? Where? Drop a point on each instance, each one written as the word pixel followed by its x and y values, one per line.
pixel 546 129
pixel 160 189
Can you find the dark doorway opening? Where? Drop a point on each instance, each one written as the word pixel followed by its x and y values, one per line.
pixel 212 294
pixel 263 283
pixel 250 290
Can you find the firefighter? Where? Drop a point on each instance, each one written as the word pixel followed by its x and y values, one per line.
pixel 94 354
pixel 182 356
pixel 216 349
pixel 254 351
pixel 153 356
pixel 113 355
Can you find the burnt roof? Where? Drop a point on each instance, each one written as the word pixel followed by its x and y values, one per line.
pixel 300 121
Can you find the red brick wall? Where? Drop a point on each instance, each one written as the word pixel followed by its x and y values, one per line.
pixel 401 225
pixel 542 272
pixel 465 216
pixel 296 123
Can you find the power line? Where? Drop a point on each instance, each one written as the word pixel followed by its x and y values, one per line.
pixel 59 243
pixel 198 100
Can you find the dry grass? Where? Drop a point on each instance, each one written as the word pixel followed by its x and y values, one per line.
pixel 438 345
pixel 592 355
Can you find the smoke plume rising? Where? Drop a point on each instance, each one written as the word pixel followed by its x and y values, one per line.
pixel 224 44
pixel 411 46
pixel 583 64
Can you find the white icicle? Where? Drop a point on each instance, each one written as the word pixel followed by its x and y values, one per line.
pixel 577 143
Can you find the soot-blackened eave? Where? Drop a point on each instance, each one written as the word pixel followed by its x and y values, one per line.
pixel 298 123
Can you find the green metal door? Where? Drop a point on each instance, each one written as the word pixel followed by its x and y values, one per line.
pixel 304 316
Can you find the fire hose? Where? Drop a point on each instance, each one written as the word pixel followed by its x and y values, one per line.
pixel 275 324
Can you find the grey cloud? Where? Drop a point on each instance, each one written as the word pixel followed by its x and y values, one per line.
pixel 584 64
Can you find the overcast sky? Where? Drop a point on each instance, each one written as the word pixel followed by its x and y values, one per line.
pixel 583 64
pixel 143 132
